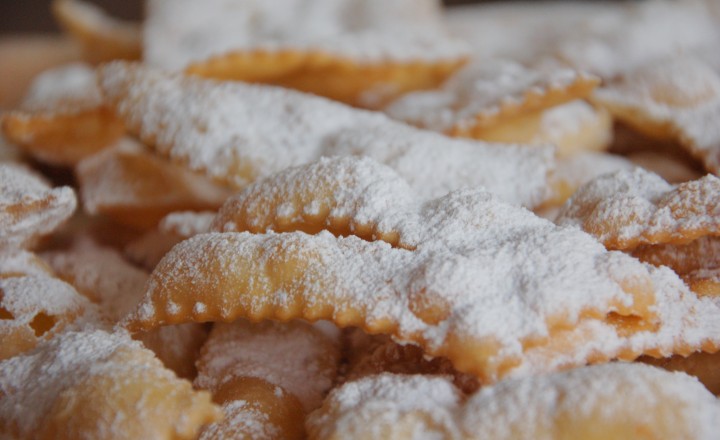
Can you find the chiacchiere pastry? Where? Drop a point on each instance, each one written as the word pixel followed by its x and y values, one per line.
pixel 402 267
pixel 62 118
pixel 582 403
pixel 361 53
pixel 522 243
pixel 194 122
pixel 267 376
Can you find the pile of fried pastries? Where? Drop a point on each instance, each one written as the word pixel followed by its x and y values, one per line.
pixel 363 219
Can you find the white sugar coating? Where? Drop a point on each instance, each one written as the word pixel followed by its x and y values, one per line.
pixel 186 223
pixel 102 275
pixel 567 119
pixel 32 382
pixel 481 88
pixel 242 417
pixel 26 297
pixel 29 206
pixel 109 367
pixel 355 188
pixel 295 356
pixel 581 168
pixel 623 39
pixel 68 88
pixel 496 271
pixel 14 262
pixel 682 92
pixel 238 132
pixel 526 32
pixel 375 406
pixel 684 323
pixel 634 204
pixel 618 399
pixel 372 31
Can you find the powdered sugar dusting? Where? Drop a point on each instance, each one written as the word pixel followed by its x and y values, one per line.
pixel 682 93
pixel 628 208
pixel 572 404
pixel 241 417
pixel 29 206
pixel 179 32
pixel 237 133
pixel 481 89
pixel 295 356
pixel 70 88
pixel 102 275
pixel 372 407
pixel 522 271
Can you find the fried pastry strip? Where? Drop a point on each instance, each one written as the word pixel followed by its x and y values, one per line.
pixel 439 274
pixel 581 403
pixel 271 373
pixel 631 208
pixel 237 133
pixel 362 53
pixel 94 384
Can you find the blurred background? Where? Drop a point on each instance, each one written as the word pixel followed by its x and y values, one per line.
pixel 27 16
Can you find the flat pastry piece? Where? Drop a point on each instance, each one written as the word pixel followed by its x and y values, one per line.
pixel 369 355
pixel 697 262
pixel 410 269
pixel 361 53
pixel 133 187
pixel 94 384
pixel 582 403
pixel 102 37
pixel 630 208
pixel 148 249
pixel 102 275
pixel 272 373
pixel 677 98
pixel 29 207
pixel 37 308
pixel 237 133
pixel 487 93
pixel 62 118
